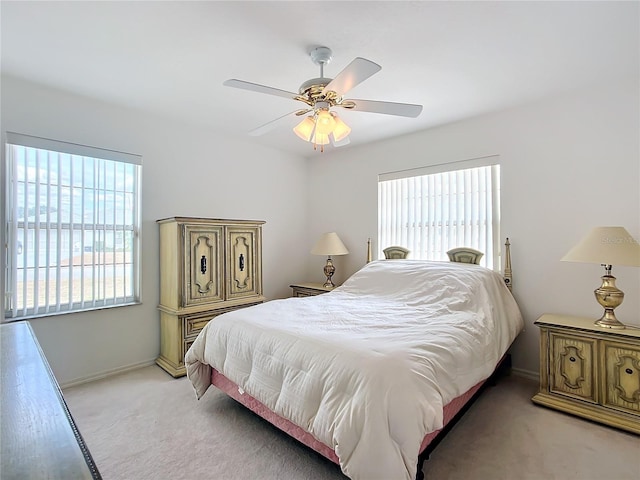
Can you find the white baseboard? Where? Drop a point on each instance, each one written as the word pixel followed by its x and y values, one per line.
pixel 520 372
pixel 107 373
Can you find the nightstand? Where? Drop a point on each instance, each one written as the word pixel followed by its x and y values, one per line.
pixel 590 371
pixel 309 289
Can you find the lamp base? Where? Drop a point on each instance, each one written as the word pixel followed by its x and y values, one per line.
pixel 609 320
pixel 610 297
pixel 329 270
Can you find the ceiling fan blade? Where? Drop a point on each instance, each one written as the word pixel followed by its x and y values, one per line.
pixel 254 87
pixel 388 108
pixel 267 127
pixel 356 72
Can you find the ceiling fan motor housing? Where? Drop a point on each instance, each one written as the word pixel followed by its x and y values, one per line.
pixel 311 90
pixel 314 86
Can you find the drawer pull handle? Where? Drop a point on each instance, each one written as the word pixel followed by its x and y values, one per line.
pixel 203 265
pixel 629 371
pixel 572 359
pixel 241 262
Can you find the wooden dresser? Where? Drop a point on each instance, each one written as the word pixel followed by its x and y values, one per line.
pixel 207 267
pixel 590 371
pixel 38 436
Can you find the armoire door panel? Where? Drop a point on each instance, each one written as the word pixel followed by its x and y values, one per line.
pixel 243 249
pixel 203 257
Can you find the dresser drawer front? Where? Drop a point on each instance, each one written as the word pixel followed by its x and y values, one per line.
pixel 306 292
pixel 193 325
pixel 622 376
pixel 573 367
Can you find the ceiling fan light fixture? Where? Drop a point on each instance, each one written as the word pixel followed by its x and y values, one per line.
pixel 341 130
pixel 325 123
pixel 310 129
pixel 320 139
pixel 304 129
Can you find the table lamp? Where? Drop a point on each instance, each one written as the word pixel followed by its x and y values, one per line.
pixel 607 246
pixel 329 244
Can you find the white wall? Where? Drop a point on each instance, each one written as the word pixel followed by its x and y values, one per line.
pixel 568 164
pixel 187 172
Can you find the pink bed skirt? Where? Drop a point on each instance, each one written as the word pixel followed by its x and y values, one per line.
pixel 231 389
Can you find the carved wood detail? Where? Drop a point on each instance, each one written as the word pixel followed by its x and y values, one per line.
pixel 203 250
pixel 573 366
pixel 623 377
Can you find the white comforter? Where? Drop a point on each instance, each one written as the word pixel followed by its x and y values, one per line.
pixel 368 367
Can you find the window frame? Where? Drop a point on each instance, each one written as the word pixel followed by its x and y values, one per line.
pixel 11 309
pixel 495 221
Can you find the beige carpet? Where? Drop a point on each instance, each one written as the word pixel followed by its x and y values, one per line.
pixel 146 425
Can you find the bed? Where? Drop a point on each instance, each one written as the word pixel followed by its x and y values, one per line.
pixel 369 373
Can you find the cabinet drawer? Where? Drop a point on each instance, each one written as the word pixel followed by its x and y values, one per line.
pixel 306 292
pixel 622 376
pixel 298 292
pixel 572 366
pixel 193 325
pixel 308 289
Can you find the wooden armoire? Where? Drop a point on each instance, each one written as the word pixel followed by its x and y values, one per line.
pixel 207 267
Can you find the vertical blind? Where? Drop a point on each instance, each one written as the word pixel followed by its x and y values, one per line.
pixel 73 227
pixel 432 213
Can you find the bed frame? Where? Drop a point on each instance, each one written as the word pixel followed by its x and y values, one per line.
pixel 453 411
pixel 460 255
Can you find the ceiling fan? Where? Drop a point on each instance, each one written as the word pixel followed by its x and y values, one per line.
pixel 323 126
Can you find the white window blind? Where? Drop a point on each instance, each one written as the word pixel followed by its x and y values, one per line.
pixel 432 210
pixel 73 219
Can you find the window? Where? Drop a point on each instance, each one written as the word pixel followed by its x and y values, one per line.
pixel 73 219
pixel 434 209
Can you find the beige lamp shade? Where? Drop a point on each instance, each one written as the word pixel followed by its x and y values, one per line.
pixel 329 244
pixel 606 246
pixel 341 131
pixel 305 128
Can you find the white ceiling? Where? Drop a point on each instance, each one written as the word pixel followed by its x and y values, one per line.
pixel 458 59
